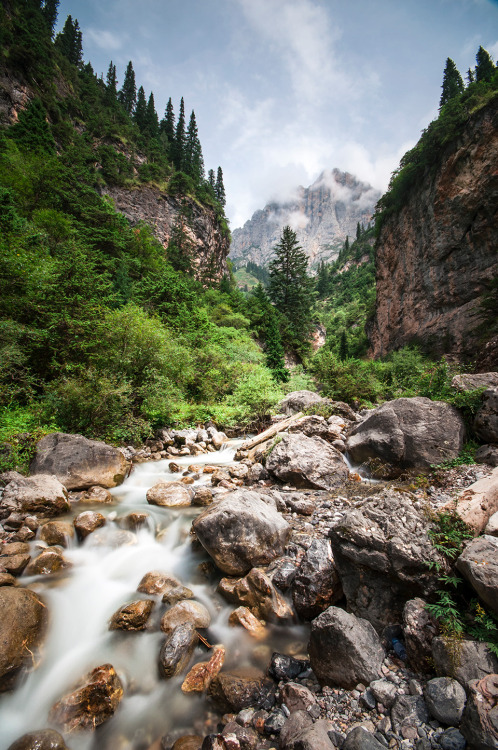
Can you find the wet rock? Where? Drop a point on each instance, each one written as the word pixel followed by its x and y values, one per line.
pixel 203 497
pixel 79 463
pixel 486 420
pixel 409 711
pixel 381 550
pixel 419 629
pixel 241 531
pixel 256 592
pixel 247 737
pixel 220 742
pixel 217 438
pixel 47 562
pixel 22 629
pixel 93 702
pixel 87 522
pixel 134 521
pixel 133 616
pixel 44 739
pixel 57 532
pixel 112 538
pixel 307 462
pixel 479 564
pixel 219 476
pixel 408 433
pixel 201 675
pixel 169 495
pixel 344 650
pixel 297 697
pixel 177 594
pixel 464 660
pixel 445 699
pixel 157 582
pixel 244 617
pixel 188 742
pixel 283 571
pixel 284 667
pixel 14 557
pixel 96 495
pixel 191 612
pixel 177 650
pixel 316 585
pixel 6 579
pixel 241 688
pixel 299 401
pixel 480 719
pixel 360 738
pixel 42 495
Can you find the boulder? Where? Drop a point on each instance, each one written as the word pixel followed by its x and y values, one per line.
pixel 191 612
pixel 299 401
pixel 408 433
pixel 316 585
pixel 464 660
pixel 169 495
pixel 57 532
pixel 241 531
pixel 156 582
pixel 257 592
pixel 177 594
pixel 14 557
pixel 42 495
pixel 486 419
pixel 479 564
pixel 132 616
pixel 296 697
pixel 409 711
pixel 487 454
pixel 22 629
pixel 419 629
pixel 300 733
pixel 360 738
pixel 445 699
pixel 480 719
pixel 307 462
pixel 87 522
pixel 97 495
pixel 470 381
pixel 202 674
pixel 44 739
pixel 478 503
pixel 381 550
pixel 47 562
pixel 93 702
pixel 79 463
pixel 384 692
pixel 344 650
pixel 240 688
pixel 177 650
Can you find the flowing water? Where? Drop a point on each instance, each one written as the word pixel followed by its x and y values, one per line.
pixel 104 577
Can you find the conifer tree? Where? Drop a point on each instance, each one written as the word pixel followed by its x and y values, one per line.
pixel 343 347
pixel 69 41
pixel 152 120
pixel 179 141
pixel 219 188
pixel 212 179
pixel 274 350
pixel 128 93
pixel 111 81
pixel 290 287
pixel 140 114
pixel 194 162
pixel 452 83
pixel 358 231
pixel 167 124
pixel 32 130
pixel 484 66
pixel 470 76
pixel 50 12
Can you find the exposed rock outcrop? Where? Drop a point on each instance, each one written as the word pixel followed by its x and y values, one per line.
pixel 435 256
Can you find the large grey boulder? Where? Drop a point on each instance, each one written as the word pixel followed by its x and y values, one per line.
pixel 299 401
pixel 22 629
pixel 79 463
pixel 464 660
pixel 42 495
pixel 382 550
pixel 241 531
pixel 316 585
pixel 479 564
pixel 470 381
pixel 344 650
pixel 408 433
pixel 307 462
pixel 445 699
pixel 486 421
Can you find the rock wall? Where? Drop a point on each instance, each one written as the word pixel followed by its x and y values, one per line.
pixel 322 215
pixel 160 210
pixel 435 256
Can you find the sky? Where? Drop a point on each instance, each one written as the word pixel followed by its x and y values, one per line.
pixel 283 89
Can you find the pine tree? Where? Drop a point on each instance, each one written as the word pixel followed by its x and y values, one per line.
pixel 69 41
pixel 290 287
pixel 470 76
pixel 194 162
pixel 274 350
pixel 167 124
pixel 211 179
pixel 343 347
pixel 358 231
pixel 140 113
pixel 50 12
pixel 152 120
pixel 219 188
pixel 111 81
pixel 452 83
pixel 32 130
pixel 128 93
pixel 484 66
pixel 322 280
pixel 178 151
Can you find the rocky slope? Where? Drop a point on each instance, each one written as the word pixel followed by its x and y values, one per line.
pixel 322 215
pixel 436 255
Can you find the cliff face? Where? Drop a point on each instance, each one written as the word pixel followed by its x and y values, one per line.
pixel 435 256
pixel 322 215
pixel 160 210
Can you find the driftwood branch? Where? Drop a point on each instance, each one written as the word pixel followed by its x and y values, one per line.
pixel 270 432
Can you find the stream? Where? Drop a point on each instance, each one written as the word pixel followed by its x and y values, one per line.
pixel 102 578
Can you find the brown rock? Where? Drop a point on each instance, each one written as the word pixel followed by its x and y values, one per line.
pixel 22 628
pixel 188 742
pixel 257 592
pixel 174 595
pixel 14 557
pixel 135 520
pixel 96 494
pixel 6 579
pixel 241 688
pixel 157 582
pixel 44 739
pixel 132 616
pixel 478 502
pixel 203 497
pixel 87 522
pixel 43 495
pixel 244 617
pixel 169 495
pixel 190 612
pixel 93 702
pixel 177 650
pixel 201 675
pixel 57 532
pixel 47 562
pixel 307 462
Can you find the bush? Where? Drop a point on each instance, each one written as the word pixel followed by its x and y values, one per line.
pixel 255 395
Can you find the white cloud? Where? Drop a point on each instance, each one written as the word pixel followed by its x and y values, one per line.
pixel 105 40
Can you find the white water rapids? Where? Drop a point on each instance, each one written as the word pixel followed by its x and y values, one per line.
pixel 103 578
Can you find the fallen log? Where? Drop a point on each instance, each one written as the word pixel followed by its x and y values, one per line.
pixel 270 432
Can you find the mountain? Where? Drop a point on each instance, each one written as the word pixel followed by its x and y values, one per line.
pixel 322 215
pixel 436 259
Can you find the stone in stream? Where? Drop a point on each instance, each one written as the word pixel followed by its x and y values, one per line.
pixel 188 742
pixel 241 688
pixel 14 557
pixel 169 495
pixel 257 592
pixel 203 497
pixel 132 616
pixel 191 612
pixel 97 495
pixel 22 630
pixel 307 462
pixel 43 495
pixel 49 561
pixel 93 702
pixel 316 585
pixel 244 617
pixel 177 650
pixel 6 579
pixel 43 739
pixel 156 582
pixel 241 531
pixel 57 532
pixel 177 594
pixel 87 522
pixel 79 463
pixel 202 674
pixel 479 564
